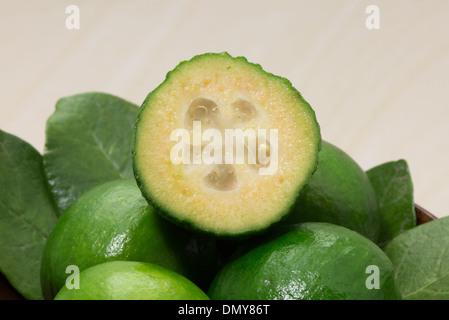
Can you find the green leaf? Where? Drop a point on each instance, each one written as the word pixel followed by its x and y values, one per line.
pixel 27 214
pixel 421 260
pixel 89 140
pixel 393 186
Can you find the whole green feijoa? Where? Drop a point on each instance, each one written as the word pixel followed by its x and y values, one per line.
pixel 131 280
pixel 339 192
pixel 224 147
pixel 114 222
pixel 311 261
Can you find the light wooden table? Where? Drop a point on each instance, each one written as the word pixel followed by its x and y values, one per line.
pixel 379 94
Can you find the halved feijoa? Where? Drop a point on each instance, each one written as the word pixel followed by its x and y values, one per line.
pixel 224 146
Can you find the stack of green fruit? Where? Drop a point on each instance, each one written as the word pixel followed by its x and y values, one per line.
pixel 110 212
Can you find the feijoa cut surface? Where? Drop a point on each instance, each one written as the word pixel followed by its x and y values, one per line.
pixel 205 183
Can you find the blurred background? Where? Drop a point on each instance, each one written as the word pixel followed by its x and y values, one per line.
pixel 376 72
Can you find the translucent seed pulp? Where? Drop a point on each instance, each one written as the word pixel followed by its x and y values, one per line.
pixel 204 110
pixel 223 176
pixel 244 110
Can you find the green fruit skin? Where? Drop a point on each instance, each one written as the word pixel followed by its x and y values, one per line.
pixel 114 222
pixel 130 280
pixel 310 261
pixel 173 216
pixel 339 192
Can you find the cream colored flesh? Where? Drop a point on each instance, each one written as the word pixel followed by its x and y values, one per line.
pixel 223 93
